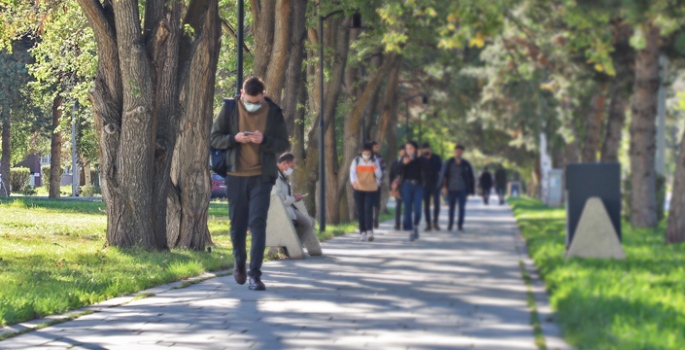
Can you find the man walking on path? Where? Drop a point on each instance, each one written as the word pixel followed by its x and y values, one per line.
pixel 394 183
pixel 457 181
pixel 377 200
pixel 412 173
pixel 431 188
pixel 253 133
pixel 485 182
pixel 501 183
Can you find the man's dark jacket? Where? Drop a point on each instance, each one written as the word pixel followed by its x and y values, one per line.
pixel 486 180
pixel 467 172
pixel 274 143
pixel 432 172
pixel 501 178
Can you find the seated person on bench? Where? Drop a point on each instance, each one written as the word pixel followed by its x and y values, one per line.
pixel 304 224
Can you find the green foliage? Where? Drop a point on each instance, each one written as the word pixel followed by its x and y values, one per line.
pixel 28 190
pixel 19 177
pixel 637 303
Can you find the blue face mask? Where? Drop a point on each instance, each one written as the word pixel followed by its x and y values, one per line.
pixel 252 107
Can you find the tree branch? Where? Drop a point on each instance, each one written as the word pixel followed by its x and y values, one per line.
pixel 227 27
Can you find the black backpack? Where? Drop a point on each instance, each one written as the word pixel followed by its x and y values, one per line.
pixel 217 157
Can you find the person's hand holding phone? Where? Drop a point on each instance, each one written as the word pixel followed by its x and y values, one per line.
pixel 242 137
pixel 257 137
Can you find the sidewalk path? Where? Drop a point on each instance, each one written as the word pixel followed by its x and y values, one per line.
pixel 446 291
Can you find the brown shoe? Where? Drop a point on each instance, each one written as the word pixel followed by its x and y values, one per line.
pixel 435 226
pixel 428 227
pixel 240 274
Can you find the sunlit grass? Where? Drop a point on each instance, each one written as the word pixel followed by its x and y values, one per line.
pixel 638 303
pixel 53 261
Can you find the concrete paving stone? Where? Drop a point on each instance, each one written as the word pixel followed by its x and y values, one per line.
pixel 446 291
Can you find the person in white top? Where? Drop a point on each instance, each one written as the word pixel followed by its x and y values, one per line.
pixel 365 176
pixel 304 224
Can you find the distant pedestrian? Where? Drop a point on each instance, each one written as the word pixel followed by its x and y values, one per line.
pixel 377 200
pixel 394 178
pixel 431 190
pixel 412 169
pixel 304 224
pixel 501 183
pixel 458 181
pixel 485 183
pixel 365 176
pixel 253 133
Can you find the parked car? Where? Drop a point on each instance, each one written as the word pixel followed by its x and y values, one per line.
pixel 218 186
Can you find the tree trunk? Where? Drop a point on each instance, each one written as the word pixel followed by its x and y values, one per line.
pixel 188 199
pixel 643 132
pixel 141 69
pixel 675 231
pixel 5 160
pixel 594 126
pixel 614 128
pixel 332 200
pixel 293 76
pixel 271 28
pixel 85 169
pixel 387 129
pixel 56 150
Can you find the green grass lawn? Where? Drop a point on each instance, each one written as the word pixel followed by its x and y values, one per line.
pixel 638 303
pixel 52 261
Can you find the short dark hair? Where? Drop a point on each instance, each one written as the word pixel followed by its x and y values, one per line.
pixel 373 143
pixel 368 147
pixel 426 145
pixel 402 148
pixel 253 86
pixel 413 143
pixel 459 147
pixel 286 157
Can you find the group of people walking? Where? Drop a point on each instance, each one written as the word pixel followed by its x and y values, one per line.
pixel 251 136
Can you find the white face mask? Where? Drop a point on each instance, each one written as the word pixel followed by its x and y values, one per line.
pixel 288 172
pixel 252 107
pixel 366 156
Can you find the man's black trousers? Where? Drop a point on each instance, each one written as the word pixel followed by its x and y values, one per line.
pixel 248 204
pixel 428 193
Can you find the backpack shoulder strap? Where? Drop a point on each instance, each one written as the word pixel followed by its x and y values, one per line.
pixel 230 105
pixel 356 161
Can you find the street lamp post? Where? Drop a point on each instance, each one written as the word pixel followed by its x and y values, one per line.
pixel 356 24
pixel 424 101
pixel 239 45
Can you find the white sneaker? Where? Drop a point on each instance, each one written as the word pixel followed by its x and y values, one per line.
pixel 363 237
pixel 370 237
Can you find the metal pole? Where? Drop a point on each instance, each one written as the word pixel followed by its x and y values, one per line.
pixel 74 164
pixel 240 43
pixel 322 135
pixel 406 127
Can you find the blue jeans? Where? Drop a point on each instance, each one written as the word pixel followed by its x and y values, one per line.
pixel 412 195
pixel 452 197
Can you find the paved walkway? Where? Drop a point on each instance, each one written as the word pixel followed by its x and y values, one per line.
pixel 446 291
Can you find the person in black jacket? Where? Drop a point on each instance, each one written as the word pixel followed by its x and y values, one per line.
pixel 393 176
pixel 485 182
pixel 253 133
pixel 501 183
pixel 457 181
pixel 412 173
pixel 431 188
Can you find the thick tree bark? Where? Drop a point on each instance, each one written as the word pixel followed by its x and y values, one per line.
pixel 675 231
pixel 593 126
pixel 614 128
pixel 141 67
pixel 643 132
pixel 332 200
pixel 293 75
pixel 271 28
pixel 5 160
pixel 188 199
pixel 387 129
pixel 55 150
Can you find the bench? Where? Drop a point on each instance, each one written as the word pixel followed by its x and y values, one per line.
pixel 280 231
